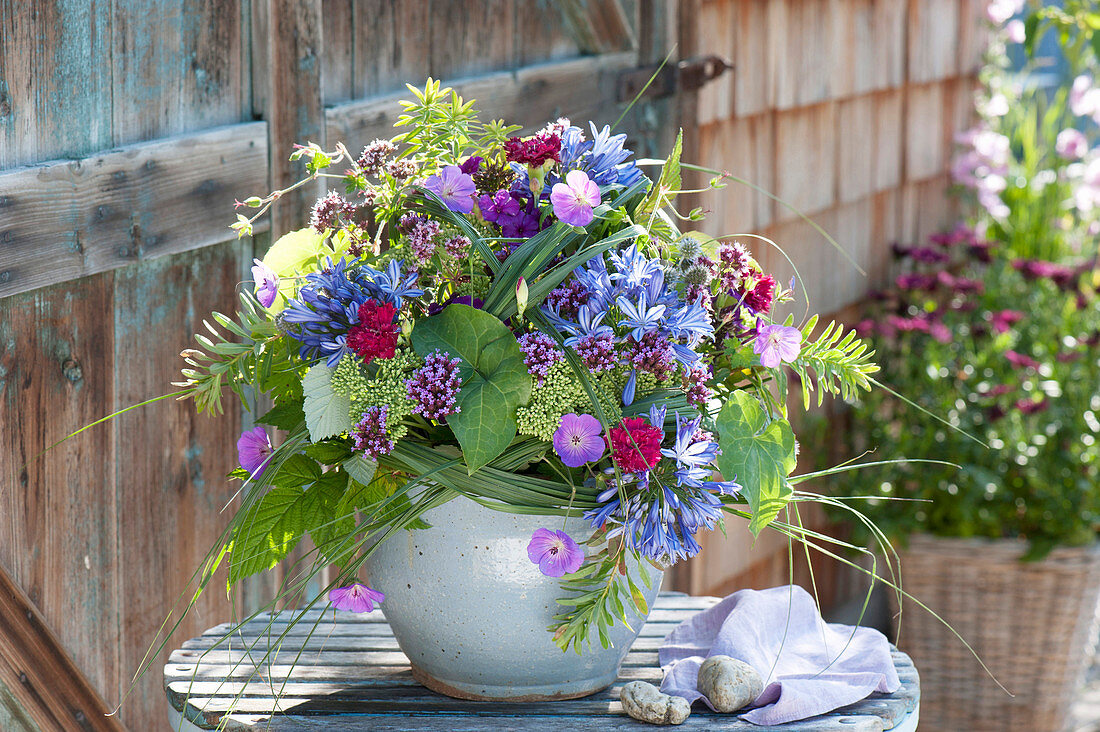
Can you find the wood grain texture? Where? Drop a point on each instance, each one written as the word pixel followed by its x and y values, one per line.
pixel 293 105
pixel 44 684
pixel 69 219
pixel 171 484
pixel 393 45
pixel 527 96
pixel 598 26
pixel 349 674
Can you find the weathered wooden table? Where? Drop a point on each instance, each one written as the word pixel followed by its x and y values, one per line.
pixel 350 675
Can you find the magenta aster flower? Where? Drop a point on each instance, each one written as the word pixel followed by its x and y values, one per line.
pixel 355 598
pixel 454 187
pixel 555 552
pixel 267 283
pixel 254 451
pixel 577 440
pixel 575 198
pixel 777 343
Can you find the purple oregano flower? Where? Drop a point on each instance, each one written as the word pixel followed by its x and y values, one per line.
pixel 267 283
pixel 575 198
pixel 355 598
pixel 555 552
pixel 777 343
pixel 454 187
pixel 578 439
pixel 254 451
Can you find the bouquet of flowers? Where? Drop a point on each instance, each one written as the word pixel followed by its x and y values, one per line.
pixel 519 321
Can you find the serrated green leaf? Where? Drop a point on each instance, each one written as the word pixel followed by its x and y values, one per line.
pixel 329 453
pixel 495 381
pixel 327 413
pixel 758 454
pixel 267 531
pixel 286 416
pixel 298 470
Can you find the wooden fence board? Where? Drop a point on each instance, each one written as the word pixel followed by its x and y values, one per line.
pixel 599 26
pixel 57 512
pixel 925 155
pixel 529 96
pixel 392 45
pixel 752 59
pixel 180 461
pixel 68 219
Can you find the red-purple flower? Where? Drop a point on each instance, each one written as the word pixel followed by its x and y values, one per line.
pixel 370 434
pixel 254 451
pixel 578 440
pixel 535 150
pixel 454 188
pixel 355 598
pixel 376 334
pixel 575 198
pixel 1020 360
pixel 555 552
pixel 636 445
pixel 777 343
pixel 762 294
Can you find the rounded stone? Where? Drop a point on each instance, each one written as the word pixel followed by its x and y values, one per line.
pixel 729 684
pixel 646 703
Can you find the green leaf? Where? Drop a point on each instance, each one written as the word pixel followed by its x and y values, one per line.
pixel 495 381
pixel 267 531
pixel 361 469
pixel 293 254
pixel 758 454
pixel 329 526
pixel 327 413
pixel 668 185
pixel 286 416
pixel 297 471
pixel 329 453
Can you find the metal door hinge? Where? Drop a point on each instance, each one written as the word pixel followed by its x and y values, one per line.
pixel 683 76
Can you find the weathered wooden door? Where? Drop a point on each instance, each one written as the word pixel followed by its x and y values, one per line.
pixel 127 128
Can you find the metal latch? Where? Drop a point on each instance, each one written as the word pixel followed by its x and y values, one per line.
pixel 687 75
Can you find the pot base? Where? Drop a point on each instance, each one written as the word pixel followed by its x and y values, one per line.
pixel 481 692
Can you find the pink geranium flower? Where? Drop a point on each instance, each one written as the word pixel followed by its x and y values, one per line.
pixel 777 343
pixel 356 598
pixel 254 451
pixel 575 198
pixel 454 187
pixel 267 283
pixel 555 552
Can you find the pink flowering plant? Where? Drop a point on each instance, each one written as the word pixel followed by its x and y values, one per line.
pixel 1032 163
pixel 516 320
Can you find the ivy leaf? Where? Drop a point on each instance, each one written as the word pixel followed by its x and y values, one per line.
pixel 758 454
pixel 495 381
pixel 327 413
pixel 360 468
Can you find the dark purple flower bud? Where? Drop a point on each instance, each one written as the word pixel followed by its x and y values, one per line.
pixel 470 165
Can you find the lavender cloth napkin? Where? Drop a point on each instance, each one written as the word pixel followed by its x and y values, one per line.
pixel 808 679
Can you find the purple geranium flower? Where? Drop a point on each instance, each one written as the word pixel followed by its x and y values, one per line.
pixel 555 552
pixel 776 343
pixel 575 198
pixel 267 283
pixel 454 187
pixel 254 451
pixel 355 598
pixel 577 440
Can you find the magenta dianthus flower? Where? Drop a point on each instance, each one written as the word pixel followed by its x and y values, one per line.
pixel 369 433
pixel 555 552
pixel 575 198
pixel 355 598
pixel 435 386
pixel 578 439
pixel 254 451
pixel 777 343
pixel 540 352
pixel 454 188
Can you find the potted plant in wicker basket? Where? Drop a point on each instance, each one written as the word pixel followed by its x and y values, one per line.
pixel 505 383
pixel 984 330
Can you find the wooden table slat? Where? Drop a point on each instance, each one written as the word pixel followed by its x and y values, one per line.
pixel 349 665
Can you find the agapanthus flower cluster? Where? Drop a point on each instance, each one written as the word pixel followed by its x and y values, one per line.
pixel 330 304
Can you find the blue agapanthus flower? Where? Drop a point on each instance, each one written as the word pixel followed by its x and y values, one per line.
pixel 603 157
pixel 327 305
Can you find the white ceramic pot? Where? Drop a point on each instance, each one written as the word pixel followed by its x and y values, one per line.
pixel 472 612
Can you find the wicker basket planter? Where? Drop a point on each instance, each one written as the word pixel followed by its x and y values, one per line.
pixel 1030 623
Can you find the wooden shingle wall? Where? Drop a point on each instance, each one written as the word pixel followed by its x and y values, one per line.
pixel 845 109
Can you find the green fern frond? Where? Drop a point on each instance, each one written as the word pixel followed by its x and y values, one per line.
pixel 835 363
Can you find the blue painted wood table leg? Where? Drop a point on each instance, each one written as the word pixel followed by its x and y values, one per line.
pixel 339 671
